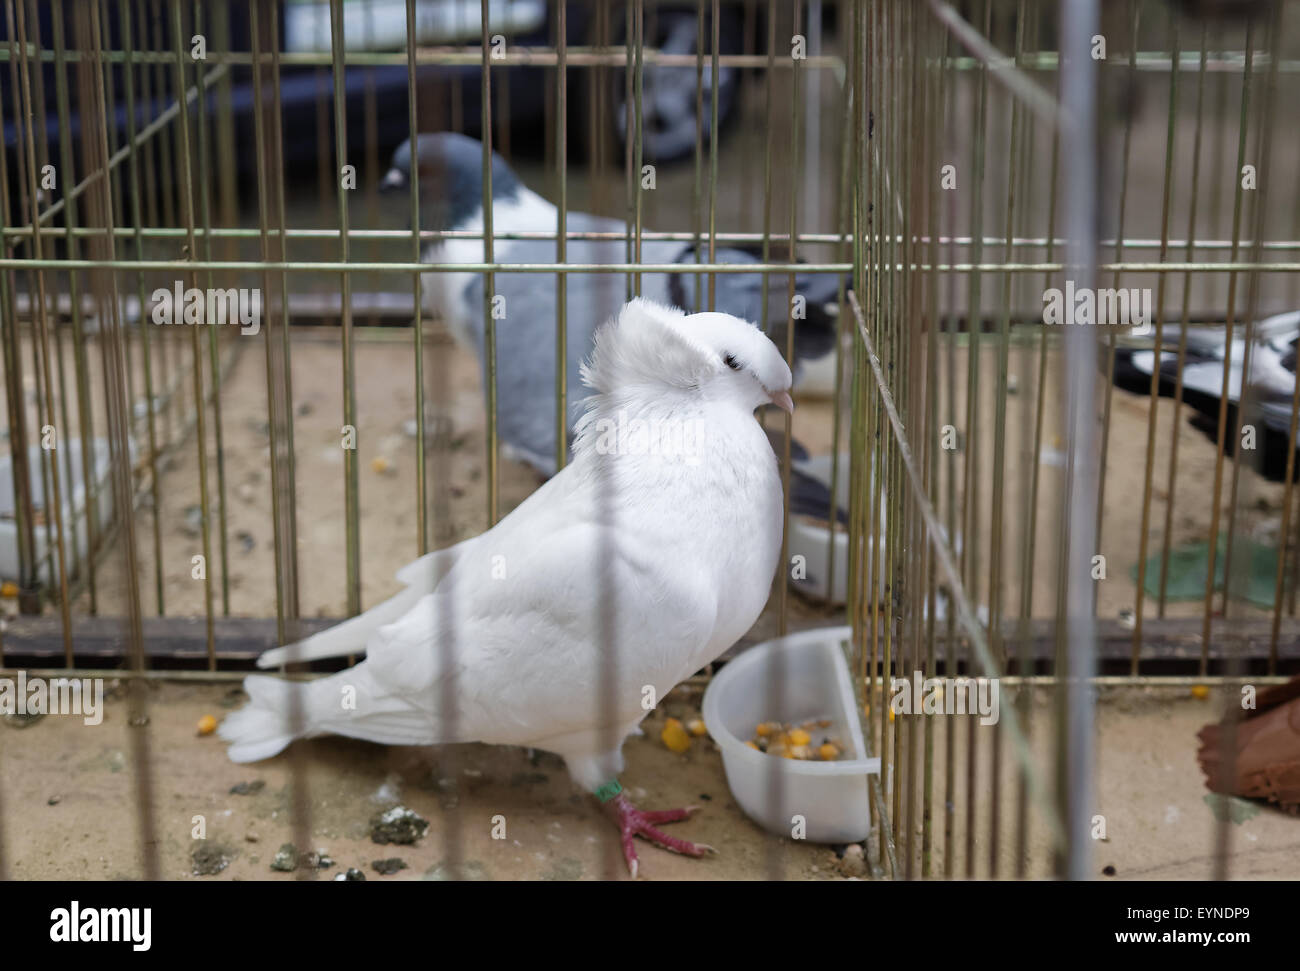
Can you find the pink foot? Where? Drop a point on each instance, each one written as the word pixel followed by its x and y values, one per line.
pixel 634 822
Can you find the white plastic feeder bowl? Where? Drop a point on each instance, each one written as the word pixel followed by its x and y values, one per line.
pixel 814 683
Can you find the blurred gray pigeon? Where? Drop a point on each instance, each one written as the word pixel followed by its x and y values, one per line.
pixel 450 168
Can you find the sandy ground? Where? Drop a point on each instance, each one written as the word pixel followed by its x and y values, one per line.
pixel 70 809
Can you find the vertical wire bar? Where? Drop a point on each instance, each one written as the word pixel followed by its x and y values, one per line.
pixel 638 87
pixel 872 257
pixel 1140 594
pixel 1234 661
pixel 996 565
pixel 917 392
pixel 1079 97
pixel 1189 256
pixel 10 350
pixel 116 174
pixel 769 116
pixel 1246 404
pixel 697 198
pixel 950 476
pixel 857 433
pixel 370 120
pixel 200 408
pixel 85 569
pixel 421 470
pixel 931 108
pixel 43 322
pixel 561 241
pixel 99 205
pixel 1263 148
pixel 489 278
pixel 1217 492
pixel 351 484
pixel 288 507
pixel 29 568
pixel 894 174
pixel 278 402
pixel 168 148
pixel 1134 10
pixel 1034 467
pixel 783 583
pixel 152 149
pixel 43 158
pixel 970 486
pixel 146 350
pixel 227 174
pixel 714 45
pixel 629 179
pixel 214 356
pixel 843 255
pixel 28 201
pixel 608 666
pixel 43 418
pixel 266 153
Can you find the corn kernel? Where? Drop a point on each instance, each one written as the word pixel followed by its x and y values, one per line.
pixel 674 736
pixel 8 589
pixel 380 464
pixel 207 725
pixel 1200 691
pixel 696 727
pixel 828 752
pixel 753 746
pixel 764 729
pixel 800 737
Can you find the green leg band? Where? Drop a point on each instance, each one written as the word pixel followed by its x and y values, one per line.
pixel 608 791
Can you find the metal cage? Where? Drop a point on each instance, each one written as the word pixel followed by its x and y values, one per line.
pixel 1011 516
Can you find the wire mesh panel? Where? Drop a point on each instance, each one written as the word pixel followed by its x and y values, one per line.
pixel 295 294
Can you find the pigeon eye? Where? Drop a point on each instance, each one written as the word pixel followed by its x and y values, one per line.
pixel 731 362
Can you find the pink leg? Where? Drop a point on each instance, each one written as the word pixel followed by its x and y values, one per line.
pixel 633 822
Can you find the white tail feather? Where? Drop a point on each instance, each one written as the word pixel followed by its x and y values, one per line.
pixel 349 637
pixel 352 636
pixel 262 728
pixel 265 726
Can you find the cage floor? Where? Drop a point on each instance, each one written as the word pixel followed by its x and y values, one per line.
pixel 1158 822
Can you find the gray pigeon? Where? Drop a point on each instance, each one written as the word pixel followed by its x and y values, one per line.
pixel 450 170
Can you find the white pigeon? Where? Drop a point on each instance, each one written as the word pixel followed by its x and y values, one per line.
pixel 645 558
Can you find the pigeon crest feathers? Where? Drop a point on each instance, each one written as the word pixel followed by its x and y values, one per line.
pixel 646 344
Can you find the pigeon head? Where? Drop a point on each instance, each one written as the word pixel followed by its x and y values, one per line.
pixel 450 169
pixel 715 357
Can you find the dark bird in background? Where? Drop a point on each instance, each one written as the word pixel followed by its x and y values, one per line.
pixel 1271 385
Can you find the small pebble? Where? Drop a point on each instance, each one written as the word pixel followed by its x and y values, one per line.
pixel 389 866
pixel 351 876
pixel 54 800
pixel 286 859
pixel 398 825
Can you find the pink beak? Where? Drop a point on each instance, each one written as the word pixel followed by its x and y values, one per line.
pixel 783 401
